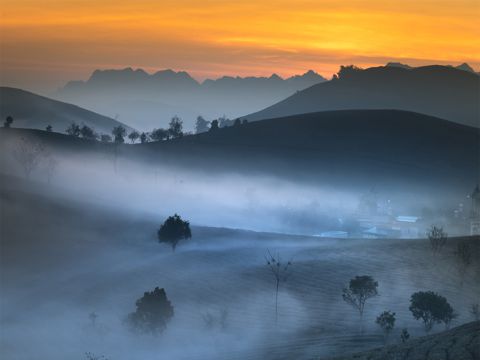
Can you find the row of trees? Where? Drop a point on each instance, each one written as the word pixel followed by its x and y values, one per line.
pixel 427 306
pixel 202 125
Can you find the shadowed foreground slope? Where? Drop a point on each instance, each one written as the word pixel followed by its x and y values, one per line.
pixel 460 343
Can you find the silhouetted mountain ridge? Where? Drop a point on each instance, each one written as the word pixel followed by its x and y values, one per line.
pixel 440 91
pixel 149 100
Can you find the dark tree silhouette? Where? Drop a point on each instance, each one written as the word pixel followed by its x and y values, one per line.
pixel 88 133
pixel 360 289
pixel 175 128
pixel 159 134
pixel 214 125
pixel 237 123
pixel 437 238
pixel 105 138
pixel 404 336
pixel 348 71
pixel 133 136
pixel 280 271
pixel 49 128
pixel 431 308
pixel 386 321
pixel 8 122
pixel 201 125
pixel 119 133
pixel 73 130
pixel 173 230
pixel 153 312
pixel 143 138
pixel 244 121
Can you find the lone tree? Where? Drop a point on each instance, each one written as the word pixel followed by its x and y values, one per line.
pixel 153 312
pixel 133 136
pixel 280 271
pixel 143 138
pixel 437 238
pixel 8 122
pixel 49 128
pixel 386 321
pixel 431 308
pixel 360 289
pixel 119 133
pixel 404 336
pixel 175 128
pixel 214 125
pixel 173 230
pixel 73 130
pixel 201 125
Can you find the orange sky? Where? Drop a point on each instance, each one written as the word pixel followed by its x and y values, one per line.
pixel 47 42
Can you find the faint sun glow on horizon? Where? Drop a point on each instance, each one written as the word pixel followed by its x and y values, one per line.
pixel 53 41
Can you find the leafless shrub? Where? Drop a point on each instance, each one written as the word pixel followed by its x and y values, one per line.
pixel 280 271
pixel 437 237
pixel 28 153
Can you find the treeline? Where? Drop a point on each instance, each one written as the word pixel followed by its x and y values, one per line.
pixel 119 133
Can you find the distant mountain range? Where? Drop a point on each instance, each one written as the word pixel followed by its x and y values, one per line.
pixel 442 91
pixel 37 112
pixel 147 100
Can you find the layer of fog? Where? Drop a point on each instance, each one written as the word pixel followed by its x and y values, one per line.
pixel 61 261
pixel 258 201
pixel 86 242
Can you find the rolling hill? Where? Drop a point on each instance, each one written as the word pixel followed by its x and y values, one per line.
pixel 350 145
pixel 462 342
pixel 351 148
pixel 441 91
pixel 37 112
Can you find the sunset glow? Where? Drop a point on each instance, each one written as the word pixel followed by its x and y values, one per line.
pixel 52 41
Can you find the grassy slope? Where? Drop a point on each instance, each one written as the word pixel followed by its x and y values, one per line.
pixel 61 257
pixel 462 342
pixel 34 111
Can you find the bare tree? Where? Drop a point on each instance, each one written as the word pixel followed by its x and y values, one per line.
pixel 437 238
pixel 28 153
pixel 51 164
pixel 280 271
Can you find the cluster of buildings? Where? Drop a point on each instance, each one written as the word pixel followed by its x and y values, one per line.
pixel 378 221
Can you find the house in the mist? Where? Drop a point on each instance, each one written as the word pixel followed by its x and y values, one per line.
pixel 475 212
pixel 408 226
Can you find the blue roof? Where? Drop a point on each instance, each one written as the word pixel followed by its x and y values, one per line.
pixel 410 219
